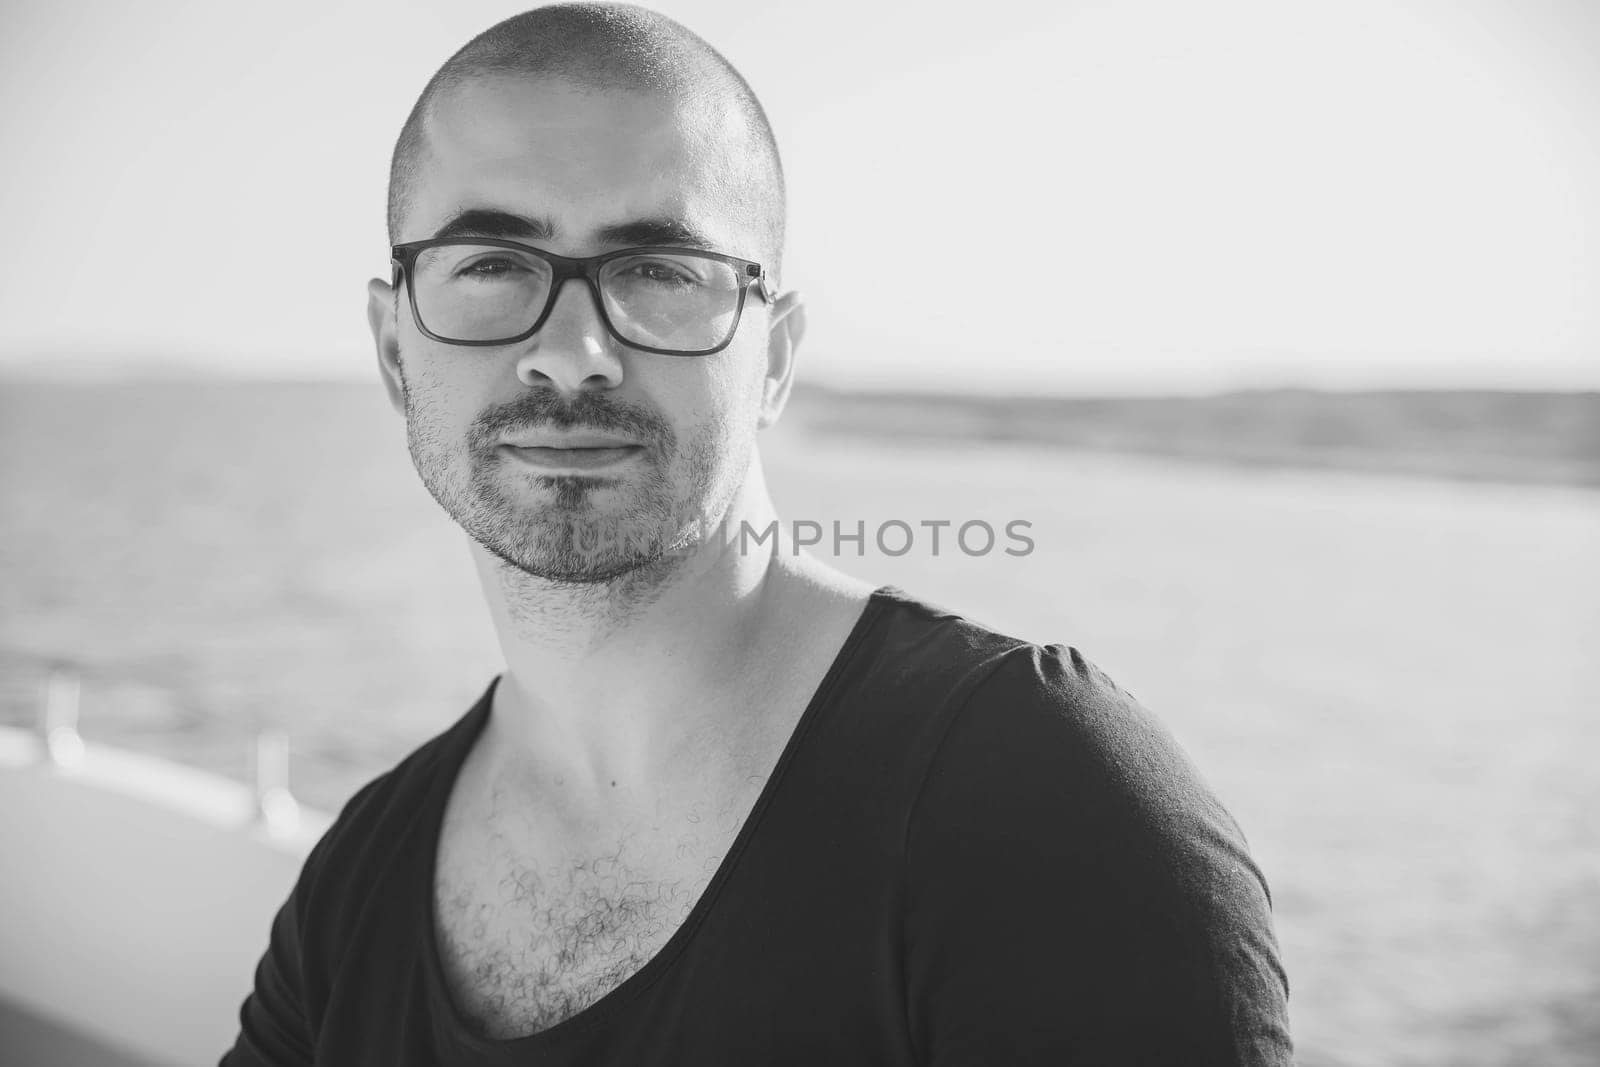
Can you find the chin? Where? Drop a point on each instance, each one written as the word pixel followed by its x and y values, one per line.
pixel 584 545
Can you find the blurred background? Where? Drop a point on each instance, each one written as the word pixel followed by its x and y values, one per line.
pixel 1279 322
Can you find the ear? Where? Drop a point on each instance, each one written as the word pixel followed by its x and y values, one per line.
pixel 787 330
pixel 380 316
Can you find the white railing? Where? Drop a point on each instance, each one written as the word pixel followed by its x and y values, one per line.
pixel 273 807
pixel 138 891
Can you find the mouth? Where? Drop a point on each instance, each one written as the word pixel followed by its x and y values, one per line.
pixel 574 452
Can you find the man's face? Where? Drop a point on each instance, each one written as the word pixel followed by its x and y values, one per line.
pixel 571 455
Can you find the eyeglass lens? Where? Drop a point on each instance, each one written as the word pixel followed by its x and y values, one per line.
pixel 680 302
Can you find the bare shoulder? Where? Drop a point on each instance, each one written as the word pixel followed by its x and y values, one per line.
pixel 815 603
pixel 824 584
pixel 808 614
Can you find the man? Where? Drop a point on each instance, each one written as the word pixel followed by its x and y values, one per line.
pixel 724 805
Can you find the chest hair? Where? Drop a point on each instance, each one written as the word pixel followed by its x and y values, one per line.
pixel 529 937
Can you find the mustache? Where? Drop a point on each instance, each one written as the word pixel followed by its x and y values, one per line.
pixel 588 411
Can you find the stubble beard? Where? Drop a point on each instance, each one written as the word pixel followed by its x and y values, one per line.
pixel 576 529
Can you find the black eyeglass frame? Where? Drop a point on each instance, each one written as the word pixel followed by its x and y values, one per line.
pixel 404 257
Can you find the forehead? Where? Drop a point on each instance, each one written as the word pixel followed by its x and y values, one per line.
pixel 584 158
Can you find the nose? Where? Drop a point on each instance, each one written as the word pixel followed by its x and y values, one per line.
pixel 573 351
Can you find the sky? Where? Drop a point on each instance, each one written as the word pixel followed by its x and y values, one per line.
pixel 1123 196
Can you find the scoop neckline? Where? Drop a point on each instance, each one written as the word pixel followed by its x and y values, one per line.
pixel 449 1016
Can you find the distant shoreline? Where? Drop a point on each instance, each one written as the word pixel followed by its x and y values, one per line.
pixel 1543 438
pixel 1515 437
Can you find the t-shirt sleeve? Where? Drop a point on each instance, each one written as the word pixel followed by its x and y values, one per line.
pixel 273 1031
pixel 274 1021
pixel 1075 894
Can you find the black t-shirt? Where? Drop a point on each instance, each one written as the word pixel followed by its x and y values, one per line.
pixel 972 851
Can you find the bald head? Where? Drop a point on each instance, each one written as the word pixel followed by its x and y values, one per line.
pixel 608 47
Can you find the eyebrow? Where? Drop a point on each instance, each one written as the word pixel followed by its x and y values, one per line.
pixel 487 222
pixel 479 222
pixel 658 231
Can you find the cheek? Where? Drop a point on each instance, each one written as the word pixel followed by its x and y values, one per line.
pixel 734 417
pixel 444 374
pixel 440 402
pixel 743 378
pixel 722 390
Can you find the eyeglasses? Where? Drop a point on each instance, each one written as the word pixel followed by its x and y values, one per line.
pixel 485 291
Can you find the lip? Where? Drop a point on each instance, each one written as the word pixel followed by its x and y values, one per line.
pixel 572 439
pixel 575 457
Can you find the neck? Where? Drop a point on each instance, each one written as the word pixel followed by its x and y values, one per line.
pixel 611 680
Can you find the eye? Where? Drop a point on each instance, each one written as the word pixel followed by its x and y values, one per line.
pixel 662 272
pixel 491 267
